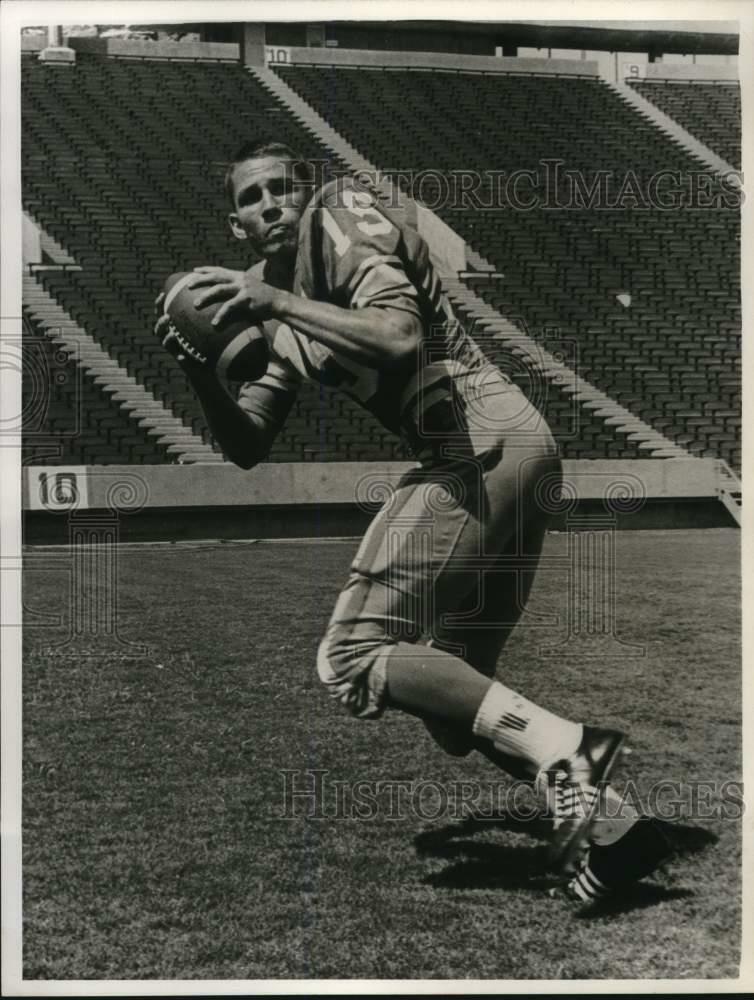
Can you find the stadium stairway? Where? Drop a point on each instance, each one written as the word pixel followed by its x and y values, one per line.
pixel 708 111
pixel 672 127
pixel 49 247
pixel 154 422
pixel 310 119
pixel 729 490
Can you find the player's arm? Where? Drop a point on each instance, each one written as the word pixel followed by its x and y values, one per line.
pixel 375 336
pixel 245 428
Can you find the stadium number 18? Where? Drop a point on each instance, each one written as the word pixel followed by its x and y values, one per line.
pixel 58 490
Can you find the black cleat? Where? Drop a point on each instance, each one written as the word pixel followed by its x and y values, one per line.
pixel 574 794
pixel 606 870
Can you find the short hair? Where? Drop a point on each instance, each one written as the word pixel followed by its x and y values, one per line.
pixel 302 169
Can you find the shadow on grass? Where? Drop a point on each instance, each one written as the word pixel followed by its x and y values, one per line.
pixel 481 865
pixel 686 839
pixel 486 866
pixel 433 841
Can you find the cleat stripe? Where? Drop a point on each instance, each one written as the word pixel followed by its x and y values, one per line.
pixel 581 890
pixel 597 887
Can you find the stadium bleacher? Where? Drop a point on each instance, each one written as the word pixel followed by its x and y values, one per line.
pixel 70 421
pixel 673 355
pixel 123 162
pixel 709 110
pixel 133 200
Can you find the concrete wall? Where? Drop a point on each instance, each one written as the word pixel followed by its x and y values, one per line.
pixel 33 43
pixel 174 503
pixel 323 484
pixel 135 48
pixel 427 60
pixel 688 71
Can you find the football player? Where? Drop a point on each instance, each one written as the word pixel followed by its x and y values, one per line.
pixel 349 298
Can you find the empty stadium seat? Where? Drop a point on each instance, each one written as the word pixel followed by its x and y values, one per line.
pixel 69 420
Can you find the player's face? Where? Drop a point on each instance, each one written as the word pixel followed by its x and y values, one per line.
pixel 269 201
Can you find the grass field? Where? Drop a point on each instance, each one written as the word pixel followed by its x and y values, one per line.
pixel 156 841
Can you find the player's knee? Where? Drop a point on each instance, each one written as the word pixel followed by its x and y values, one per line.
pixel 353 672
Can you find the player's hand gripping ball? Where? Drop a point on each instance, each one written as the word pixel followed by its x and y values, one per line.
pixel 236 349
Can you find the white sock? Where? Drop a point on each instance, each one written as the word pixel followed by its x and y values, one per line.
pixel 614 820
pixel 518 727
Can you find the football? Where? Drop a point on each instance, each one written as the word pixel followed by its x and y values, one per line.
pixel 236 350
